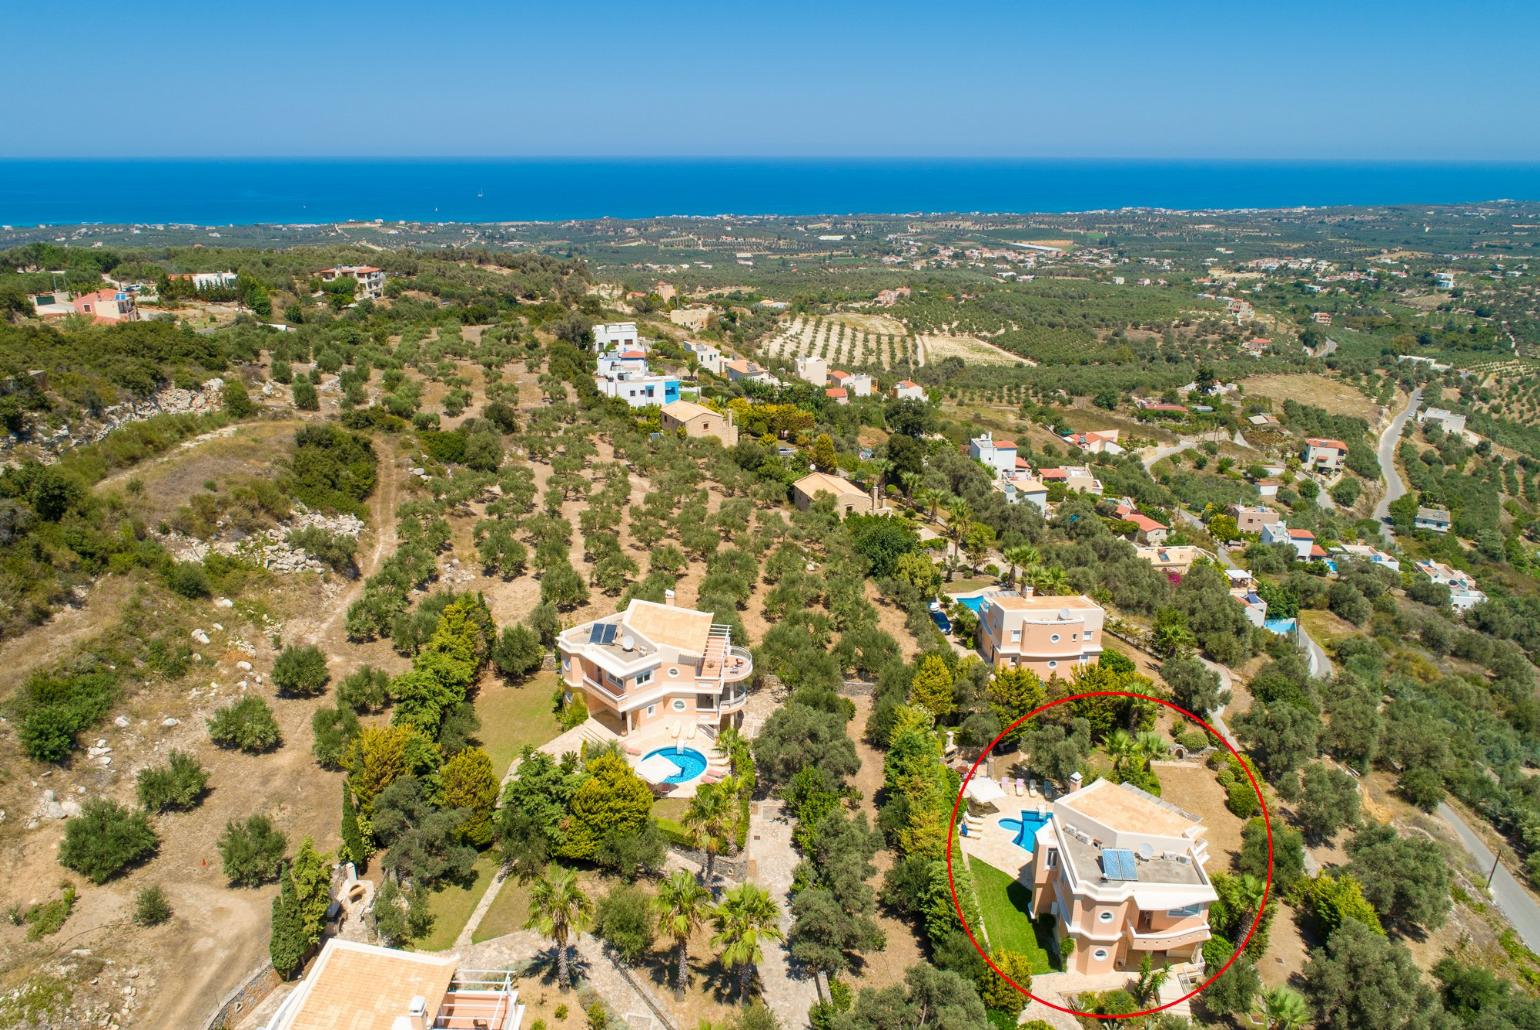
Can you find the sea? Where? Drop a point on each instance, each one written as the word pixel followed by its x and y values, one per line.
pixel 245 191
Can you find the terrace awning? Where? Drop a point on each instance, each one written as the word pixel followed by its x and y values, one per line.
pixel 984 790
pixel 656 769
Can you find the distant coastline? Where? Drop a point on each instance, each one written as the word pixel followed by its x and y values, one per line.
pixel 297 191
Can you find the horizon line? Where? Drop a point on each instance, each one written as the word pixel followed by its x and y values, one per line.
pixel 620 158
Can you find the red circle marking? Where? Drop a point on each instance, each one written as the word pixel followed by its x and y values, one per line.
pixel 1267 823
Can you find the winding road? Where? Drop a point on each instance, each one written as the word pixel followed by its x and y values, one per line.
pixel 1510 897
pixel 1394 487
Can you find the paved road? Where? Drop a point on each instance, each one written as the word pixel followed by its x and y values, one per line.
pixel 1394 487
pixel 1154 454
pixel 1507 894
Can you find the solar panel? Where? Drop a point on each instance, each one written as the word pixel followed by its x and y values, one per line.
pixel 595 632
pixel 610 629
pixel 1118 864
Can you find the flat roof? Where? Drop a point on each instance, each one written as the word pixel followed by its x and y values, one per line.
pixel 1127 809
pixel 1036 603
pixel 684 628
pixel 364 987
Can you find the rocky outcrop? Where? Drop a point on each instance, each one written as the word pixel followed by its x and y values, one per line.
pixel 269 548
pixel 173 400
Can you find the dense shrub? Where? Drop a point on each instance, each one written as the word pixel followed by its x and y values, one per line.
pixel 252 851
pixel 178 785
pixel 53 709
pixel 332 469
pixel 151 907
pixel 248 725
pixel 300 671
pixel 365 690
pixel 106 838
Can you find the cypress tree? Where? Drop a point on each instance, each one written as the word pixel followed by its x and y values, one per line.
pixel 288 944
pixel 353 847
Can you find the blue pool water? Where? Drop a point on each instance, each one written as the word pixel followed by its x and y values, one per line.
pixel 973 604
pixel 1282 627
pixel 691 762
pixel 1026 829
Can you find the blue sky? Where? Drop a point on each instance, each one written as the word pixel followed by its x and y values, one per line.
pixel 1161 78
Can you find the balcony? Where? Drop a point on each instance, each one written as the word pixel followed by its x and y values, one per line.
pixel 1161 940
pixel 480 999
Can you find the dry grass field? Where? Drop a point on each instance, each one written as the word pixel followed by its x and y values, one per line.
pixel 1334 395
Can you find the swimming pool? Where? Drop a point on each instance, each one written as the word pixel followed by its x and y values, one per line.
pixel 1282 627
pixel 972 602
pixel 1026 829
pixel 691 763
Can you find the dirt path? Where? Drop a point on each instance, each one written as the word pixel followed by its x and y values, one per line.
pixel 382 520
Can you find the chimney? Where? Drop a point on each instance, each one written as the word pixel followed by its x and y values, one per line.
pixel 417 1012
pixel 1074 781
pixel 668 598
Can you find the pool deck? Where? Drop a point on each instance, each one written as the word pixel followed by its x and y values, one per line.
pixel 645 741
pixel 992 843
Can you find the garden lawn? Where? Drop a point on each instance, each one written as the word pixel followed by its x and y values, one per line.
pixel 507 913
pixel 453 905
pixel 512 717
pixel 1003 904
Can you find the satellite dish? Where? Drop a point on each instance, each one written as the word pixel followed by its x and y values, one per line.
pixel 1145 852
pixel 1063 614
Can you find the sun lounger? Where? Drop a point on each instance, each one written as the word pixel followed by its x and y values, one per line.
pixel 1032 788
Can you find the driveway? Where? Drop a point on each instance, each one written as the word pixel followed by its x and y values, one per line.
pixel 1394 487
pixel 1508 894
pixel 1154 454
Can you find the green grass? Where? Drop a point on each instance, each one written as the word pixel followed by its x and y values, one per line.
pixel 512 717
pixel 452 906
pixel 507 913
pixel 1003 904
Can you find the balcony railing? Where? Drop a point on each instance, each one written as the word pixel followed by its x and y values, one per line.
pixel 1157 940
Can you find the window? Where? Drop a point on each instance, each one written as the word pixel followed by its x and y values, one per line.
pixel 1184 911
pixel 1052 858
pixel 1105 916
pixel 678 704
pixel 1053 638
pixel 1099 953
pixel 1015 634
pixel 644 677
pixel 1052 664
pixel 651 711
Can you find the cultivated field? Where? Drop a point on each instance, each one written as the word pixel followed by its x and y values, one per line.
pixel 847 341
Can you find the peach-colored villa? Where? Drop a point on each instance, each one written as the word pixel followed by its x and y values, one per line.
pixel 1120 871
pixel 1049 635
pixel 655 664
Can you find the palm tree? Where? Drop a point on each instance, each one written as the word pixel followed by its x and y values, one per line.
pixel 682 907
pixel 932 498
pixel 1283 1009
pixel 1146 988
pixel 1122 748
pixel 1022 556
pixel 1151 745
pixel 746 918
pixel 710 820
pixel 1050 580
pixel 958 514
pixel 558 909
